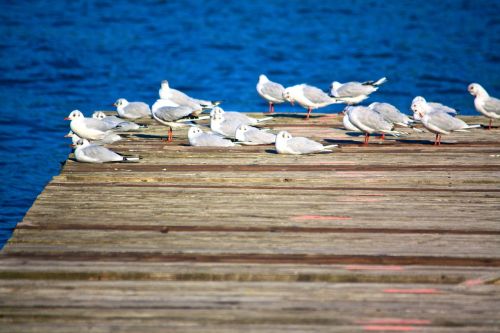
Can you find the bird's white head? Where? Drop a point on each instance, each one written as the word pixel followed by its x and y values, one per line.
pixel 419 108
pixel 288 95
pixel 164 84
pixel 194 132
pixel 216 110
pixel 82 143
pixel 121 103
pixel 334 86
pixel 240 132
pixel 263 78
pixel 475 89
pixel 283 136
pixel 216 118
pixel 75 114
pixel 98 115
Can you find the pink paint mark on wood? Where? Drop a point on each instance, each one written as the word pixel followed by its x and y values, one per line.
pixel 412 291
pixel 473 282
pixel 396 321
pixel 373 268
pixel 320 217
pixel 389 328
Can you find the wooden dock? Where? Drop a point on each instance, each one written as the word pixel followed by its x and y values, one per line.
pixel 398 235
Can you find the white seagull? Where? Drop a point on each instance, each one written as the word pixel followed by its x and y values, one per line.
pixel 353 93
pixel 173 117
pixel 434 106
pixel 484 103
pixel 181 98
pixel 91 153
pixel 114 122
pixel 111 138
pixel 198 138
pixel 88 128
pixel 248 135
pixel 308 97
pixel 132 110
pixel 225 127
pixel 238 116
pixel 438 122
pixel 369 121
pixel 286 144
pixel 271 91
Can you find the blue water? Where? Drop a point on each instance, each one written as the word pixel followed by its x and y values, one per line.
pixel 59 56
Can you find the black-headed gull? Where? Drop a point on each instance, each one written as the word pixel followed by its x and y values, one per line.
pixel 238 116
pixel 438 122
pixel 308 97
pixel 198 138
pixel 92 153
pixel 353 93
pixel 248 135
pixel 87 128
pixel 369 121
pixel 434 106
pixel 173 117
pixel 286 144
pixel 391 114
pixel 180 98
pixel 114 122
pixel 484 103
pixel 225 127
pixel 108 139
pixel 132 110
pixel 271 91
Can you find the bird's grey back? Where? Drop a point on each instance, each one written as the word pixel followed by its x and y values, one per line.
pixel 315 95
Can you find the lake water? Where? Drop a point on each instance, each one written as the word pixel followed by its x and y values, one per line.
pixel 62 55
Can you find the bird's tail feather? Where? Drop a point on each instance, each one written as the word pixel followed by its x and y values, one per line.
pixel 264 119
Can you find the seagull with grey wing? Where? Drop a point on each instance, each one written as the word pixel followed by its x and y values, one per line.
pixel 198 138
pixel 249 135
pixel 353 93
pixel 484 103
pixel 271 91
pixel 225 127
pixel 180 98
pixel 132 110
pixel 438 122
pixel 114 122
pixel 108 139
pixel 308 97
pixel 90 128
pixel 174 117
pixel 435 106
pixel 92 153
pixel 238 116
pixel 286 144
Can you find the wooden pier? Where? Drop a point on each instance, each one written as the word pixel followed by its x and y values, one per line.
pixel 398 235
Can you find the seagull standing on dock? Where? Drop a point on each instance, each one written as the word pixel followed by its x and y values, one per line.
pixel 182 99
pixel 391 114
pixel 132 110
pixel 486 105
pixel 353 93
pixel 308 97
pixel 270 91
pixel 173 117
pixel 198 138
pixel 113 122
pixel 90 128
pixel 248 135
pixel 369 121
pixel 435 106
pixel 238 116
pixel 286 144
pixel 91 153
pixel 437 121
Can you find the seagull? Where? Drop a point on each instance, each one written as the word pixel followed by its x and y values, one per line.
pixel 132 110
pixel 248 135
pixel 198 138
pixel 88 128
pixel 348 125
pixel 181 98
pixel 308 97
pixel 173 117
pixel 113 122
pixel 391 114
pixel 225 127
pixel 91 153
pixel 438 122
pixel 238 116
pixel 286 144
pixel 369 122
pixel 435 106
pixel 108 139
pixel 353 93
pixel 486 105
pixel 270 91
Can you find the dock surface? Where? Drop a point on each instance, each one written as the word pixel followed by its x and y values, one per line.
pixel 398 235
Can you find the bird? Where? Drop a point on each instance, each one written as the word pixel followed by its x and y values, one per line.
pixel 108 139
pixel 369 121
pixel 173 117
pixel 198 138
pixel 132 110
pixel 238 116
pixel 484 103
pixel 286 144
pixel 92 153
pixel 225 127
pixel 391 114
pixel 88 128
pixel 436 106
pixel 271 91
pixel 114 122
pixel 308 97
pixel 181 98
pixel 248 135
pixel 438 122
pixel 353 93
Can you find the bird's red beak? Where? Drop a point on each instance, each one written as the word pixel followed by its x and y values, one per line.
pixel 67 118
pixel 67 136
pixel 72 146
pixel 292 102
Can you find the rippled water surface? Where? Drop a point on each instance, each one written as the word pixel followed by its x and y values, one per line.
pixel 60 56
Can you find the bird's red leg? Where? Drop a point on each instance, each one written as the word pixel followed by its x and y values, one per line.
pixel 367 138
pixel 491 120
pixel 308 113
pixel 383 136
pixel 439 142
pixel 271 108
pixel 436 140
pixel 170 134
